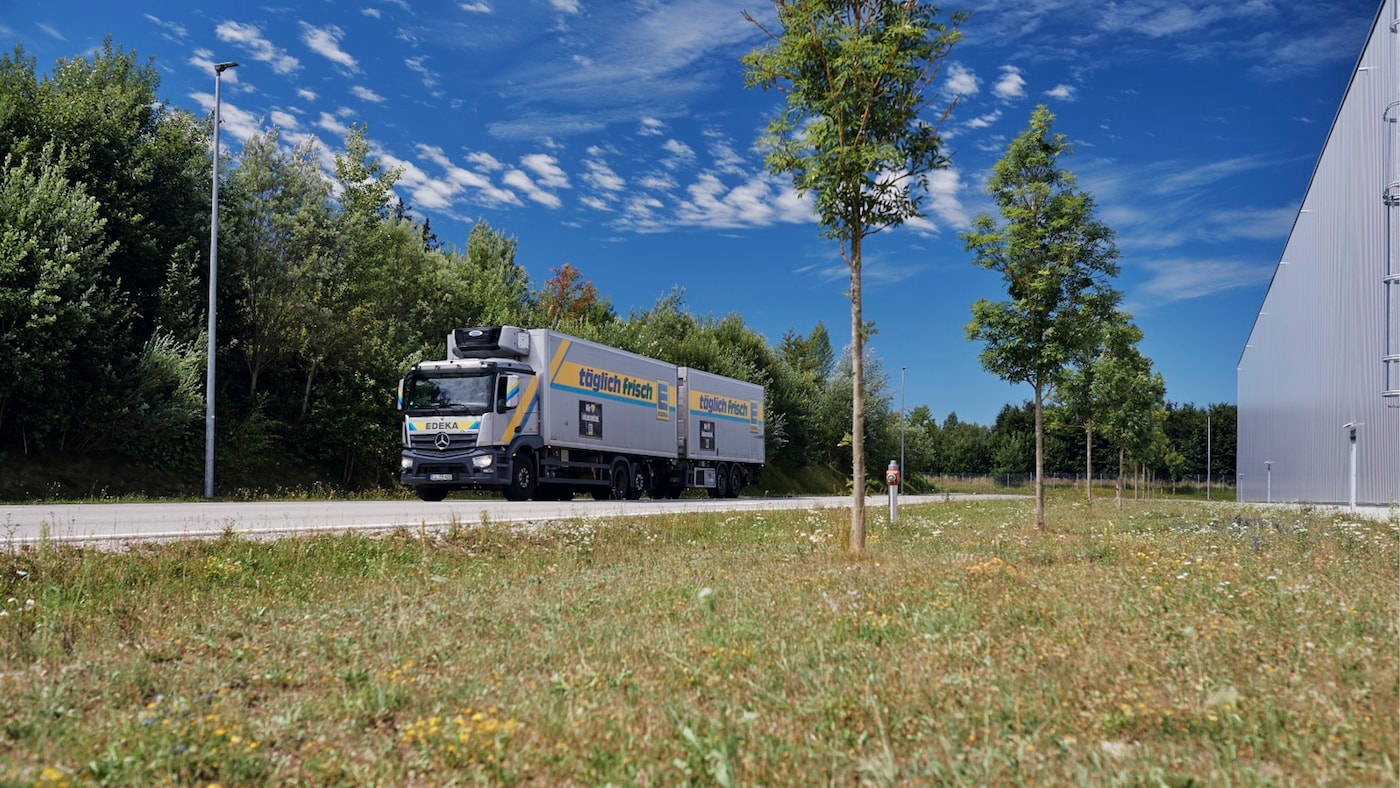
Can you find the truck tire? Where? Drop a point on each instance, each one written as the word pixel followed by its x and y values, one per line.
pixel 431 494
pixel 736 481
pixel 721 488
pixel 621 480
pixel 640 481
pixel 522 478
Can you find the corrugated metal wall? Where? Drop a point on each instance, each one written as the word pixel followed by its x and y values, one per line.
pixel 1313 361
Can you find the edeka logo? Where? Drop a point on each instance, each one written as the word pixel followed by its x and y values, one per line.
pixel 722 406
pixel 438 424
pixel 604 382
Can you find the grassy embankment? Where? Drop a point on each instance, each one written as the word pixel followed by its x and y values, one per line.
pixel 1166 643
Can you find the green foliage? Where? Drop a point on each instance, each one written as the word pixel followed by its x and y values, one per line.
pixel 1056 260
pixel 53 252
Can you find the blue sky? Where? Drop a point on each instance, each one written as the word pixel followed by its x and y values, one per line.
pixel 617 136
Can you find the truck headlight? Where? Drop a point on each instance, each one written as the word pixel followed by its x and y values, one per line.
pixel 483 461
pixel 405 463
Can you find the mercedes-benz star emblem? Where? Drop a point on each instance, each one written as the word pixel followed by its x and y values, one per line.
pixel 442 441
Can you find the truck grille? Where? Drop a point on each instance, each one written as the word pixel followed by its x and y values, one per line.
pixel 442 441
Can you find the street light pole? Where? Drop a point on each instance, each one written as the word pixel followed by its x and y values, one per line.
pixel 902 418
pixel 1207 452
pixel 219 69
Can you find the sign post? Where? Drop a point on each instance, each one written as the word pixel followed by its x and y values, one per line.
pixel 892 481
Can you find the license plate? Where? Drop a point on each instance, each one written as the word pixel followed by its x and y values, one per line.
pixel 439 477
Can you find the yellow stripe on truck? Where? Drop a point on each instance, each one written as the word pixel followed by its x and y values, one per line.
pixel 526 402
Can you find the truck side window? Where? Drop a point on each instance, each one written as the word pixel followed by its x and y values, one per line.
pixel 501 394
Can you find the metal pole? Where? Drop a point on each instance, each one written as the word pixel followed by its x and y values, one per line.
pixel 1207 452
pixel 1268 481
pixel 219 69
pixel 1351 500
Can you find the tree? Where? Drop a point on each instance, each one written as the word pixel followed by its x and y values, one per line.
pixel 1056 260
pixel 1075 395
pixel 52 254
pixel 857 75
pixel 1133 397
pixel 568 298
pixel 278 224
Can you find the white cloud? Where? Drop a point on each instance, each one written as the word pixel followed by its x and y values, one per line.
pixel 1062 92
pixel 651 127
pixel 235 123
pixel 475 8
pixel 372 13
pixel 251 39
pixel 1185 178
pixel 454 184
pixel 657 182
pixel 365 94
pixel 961 81
pixel 306 95
pixel 944 189
pixel 521 182
pixel 546 169
pixel 418 65
pixel 680 152
pixel 1011 85
pixel 1181 279
pixel 566 6
pixel 330 123
pixel 599 175
pixel 50 31
pixel 284 120
pixel 203 60
pixel 485 161
pixel 325 41
pixel 983 121
pixel 758 202
pixel 174 30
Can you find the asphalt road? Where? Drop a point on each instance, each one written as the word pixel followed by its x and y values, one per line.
pixel 117 523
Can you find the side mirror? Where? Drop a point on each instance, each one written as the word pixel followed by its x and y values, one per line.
pixel 400 400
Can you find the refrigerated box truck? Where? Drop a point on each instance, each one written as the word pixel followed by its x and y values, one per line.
pixel 540 414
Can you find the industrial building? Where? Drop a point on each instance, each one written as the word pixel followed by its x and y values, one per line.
pixel 1319 377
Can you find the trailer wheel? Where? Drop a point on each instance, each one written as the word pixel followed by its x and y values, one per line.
pixel 736 481
pixel 721 488
pixel 522 478
pixel 431 494
pixel 641 480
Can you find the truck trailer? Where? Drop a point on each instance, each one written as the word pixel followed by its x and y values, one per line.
pixel 543 415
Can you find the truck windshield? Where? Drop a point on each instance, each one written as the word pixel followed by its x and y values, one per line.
pixel 459 393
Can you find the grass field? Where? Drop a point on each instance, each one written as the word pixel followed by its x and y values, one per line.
pixel 1168 643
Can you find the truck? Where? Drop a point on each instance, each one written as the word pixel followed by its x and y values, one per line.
pixel 538 414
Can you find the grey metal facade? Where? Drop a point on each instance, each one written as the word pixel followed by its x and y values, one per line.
pixel 1324 351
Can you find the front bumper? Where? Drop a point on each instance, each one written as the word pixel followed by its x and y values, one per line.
pixel 474 469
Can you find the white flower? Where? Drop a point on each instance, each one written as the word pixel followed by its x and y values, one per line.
pixel 705 593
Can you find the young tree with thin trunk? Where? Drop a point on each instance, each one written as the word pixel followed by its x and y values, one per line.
pixel 1133 397
pixel 858 76
pixel 1074 391
pixel 1056 260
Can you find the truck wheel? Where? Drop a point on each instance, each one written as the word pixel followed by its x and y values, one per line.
pixel 621 480
pixel 641 480
pixel 431 494
pixel 522 479
pixel 736 481
pixel 721 488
